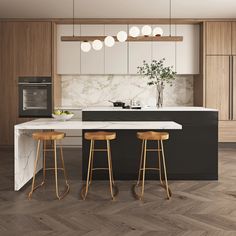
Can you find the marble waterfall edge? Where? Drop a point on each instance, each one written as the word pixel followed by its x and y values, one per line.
pixel 96 90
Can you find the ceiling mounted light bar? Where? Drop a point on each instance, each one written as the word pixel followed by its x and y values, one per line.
pixel 130 38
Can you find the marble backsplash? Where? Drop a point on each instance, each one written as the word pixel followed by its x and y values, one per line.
pixel 96 90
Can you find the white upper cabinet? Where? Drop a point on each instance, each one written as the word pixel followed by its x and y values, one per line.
pixel 68 53
pixel 92 62
pixel 138 52
pixel 116 56
pixel 187 51
pixel 165 49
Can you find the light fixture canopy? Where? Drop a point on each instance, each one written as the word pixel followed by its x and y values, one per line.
pixel 97 44
pixel 85 46
pixel 122 36
pixel 109 41
pixel 157 31
pixel 146 30
pixel 134 31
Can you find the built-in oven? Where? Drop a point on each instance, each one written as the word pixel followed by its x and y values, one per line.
pixel 35 96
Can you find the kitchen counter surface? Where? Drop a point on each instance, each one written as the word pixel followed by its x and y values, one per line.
pixel 50 123
pixel 149 109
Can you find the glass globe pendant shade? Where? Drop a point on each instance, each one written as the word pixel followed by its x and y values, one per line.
pixel 85 46
pixel 122 36
pixel 157 31
pixel 134 31
pixel 146 30
pixel 109 41
pixel 97 44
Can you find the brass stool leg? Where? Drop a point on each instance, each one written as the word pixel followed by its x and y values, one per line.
pixel 35 168
pixel 44 161
pixel 144 168
pixel 109 167
pixel 65 175
pixel 55 161
pixel 112 176
pixel 159 161
pixel 89 170
pixel 164 167
pixel 140 165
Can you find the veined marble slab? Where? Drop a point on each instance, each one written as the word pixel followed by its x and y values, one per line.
pixel 50 123
pixel 25 146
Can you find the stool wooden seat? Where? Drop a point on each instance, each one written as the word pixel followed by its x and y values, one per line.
pixel 151 135
pixel 48 135
pixel 99 136
pixel 159 137
pixel 44 137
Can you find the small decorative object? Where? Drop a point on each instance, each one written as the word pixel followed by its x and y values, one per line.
pixel 158 75
pixel 62 115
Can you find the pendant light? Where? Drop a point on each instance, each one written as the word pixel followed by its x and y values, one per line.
pixel 134 31
pixel 97 44
pixel 122 36
pixel 85 46
pixel 109 41
pixel 157 31
pixel 146 30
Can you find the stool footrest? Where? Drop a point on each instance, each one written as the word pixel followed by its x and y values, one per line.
pixel 150 168
pixel 152 150
pixel 100 168
pixel 99 150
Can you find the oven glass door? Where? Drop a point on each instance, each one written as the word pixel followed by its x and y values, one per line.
pixel 35 100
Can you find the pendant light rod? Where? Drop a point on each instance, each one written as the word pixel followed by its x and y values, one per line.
pixel 73 18
pixel 170 16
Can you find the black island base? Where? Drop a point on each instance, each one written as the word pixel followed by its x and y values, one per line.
pixel 191 153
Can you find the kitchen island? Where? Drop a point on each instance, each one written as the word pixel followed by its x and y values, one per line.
pixel 191 153
pixel 25 146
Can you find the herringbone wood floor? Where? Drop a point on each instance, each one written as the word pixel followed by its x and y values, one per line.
pixel 197 208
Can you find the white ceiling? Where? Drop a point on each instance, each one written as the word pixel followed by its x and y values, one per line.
pixel 117 8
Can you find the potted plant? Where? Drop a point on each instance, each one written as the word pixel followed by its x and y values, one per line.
pixel 158 75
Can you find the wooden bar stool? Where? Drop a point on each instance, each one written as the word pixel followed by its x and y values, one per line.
pixel 44 137
pixel 99 136
pixel 159 137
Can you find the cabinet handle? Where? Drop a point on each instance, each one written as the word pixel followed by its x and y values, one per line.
pixel 231 88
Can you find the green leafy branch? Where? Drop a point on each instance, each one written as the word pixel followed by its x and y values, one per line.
pixel 157 73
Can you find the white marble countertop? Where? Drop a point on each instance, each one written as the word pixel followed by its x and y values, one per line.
pixel 149 109
pixel 50 123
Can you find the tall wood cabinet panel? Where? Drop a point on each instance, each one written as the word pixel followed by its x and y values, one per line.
pixel 138 52
pixel 68 53
pixel 92 62
pixel 187 51
pixel 218 38
pixel 165 49
pixel 8 83
pixel 34 48
pixel 218 85
pixel 234 38
pixel 116 56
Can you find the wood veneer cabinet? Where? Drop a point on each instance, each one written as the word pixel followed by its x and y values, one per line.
pixel 218 38
pixel 25 50
pixel 233 38
pixel 218 85
pixel 34 48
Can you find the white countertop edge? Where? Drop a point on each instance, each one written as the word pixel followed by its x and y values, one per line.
pixel 192 108
pixel 40 124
